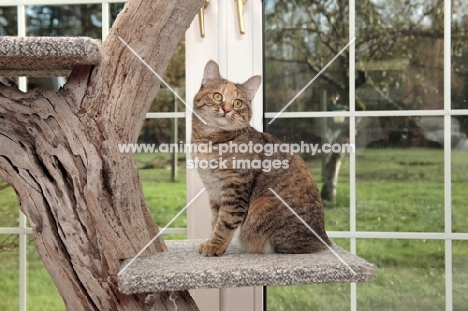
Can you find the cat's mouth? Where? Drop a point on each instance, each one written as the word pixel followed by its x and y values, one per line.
pixel 223 119
pixel 223 115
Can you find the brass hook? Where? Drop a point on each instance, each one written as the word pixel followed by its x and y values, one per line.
pixel 201 18
pixel 240 15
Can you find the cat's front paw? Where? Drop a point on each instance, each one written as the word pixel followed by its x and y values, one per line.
pixel 210 249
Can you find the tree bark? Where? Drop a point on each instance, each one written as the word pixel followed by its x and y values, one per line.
pixel 332 168
pixel 83 198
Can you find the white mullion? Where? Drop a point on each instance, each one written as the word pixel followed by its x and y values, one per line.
pixel 398 235
pixel 257 63
pixel 448 154
pixel 23 241
pixel 175 231
pixel 332 234
pixel 374 113
pixel 256 27
pixel 165 115
pixel 105 20
pixel 352 141
pixel 54 2
pixel 15 230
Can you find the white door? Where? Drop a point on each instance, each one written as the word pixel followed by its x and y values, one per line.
pixel 388 93
pixel 239 57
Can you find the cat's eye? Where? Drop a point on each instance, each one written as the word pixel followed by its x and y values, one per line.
pixel 237 103
pixel 218 97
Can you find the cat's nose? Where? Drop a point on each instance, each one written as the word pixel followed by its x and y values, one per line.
pixel 226 108
pixel 221 112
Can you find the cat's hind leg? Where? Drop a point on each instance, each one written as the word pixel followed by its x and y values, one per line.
pixel 256 229
pixel 300 243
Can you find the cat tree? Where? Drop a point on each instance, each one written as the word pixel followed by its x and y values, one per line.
pixel 181 267
pixel 46 56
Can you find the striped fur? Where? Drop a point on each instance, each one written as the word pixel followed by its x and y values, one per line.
pixel 241 197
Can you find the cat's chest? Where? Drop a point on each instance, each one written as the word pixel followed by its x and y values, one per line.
pixel 212 182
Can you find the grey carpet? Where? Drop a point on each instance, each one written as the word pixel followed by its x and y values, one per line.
pixel 46 56
pixel 183 268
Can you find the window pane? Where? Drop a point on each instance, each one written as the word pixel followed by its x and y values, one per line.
pixel 324 134
pixel 301 37
pixel 330 297
pixel 399 176
pixel 64 20
pixel 166 100
pixel 459 54
pixel 114 9
pixel 9 285
pixel 162 172
pixel 460 274
pixel 409 275
pixel 8 21
pixel 399 54
pixel 9 211
pixel 459 174
pixel 323 297
pixel 42 294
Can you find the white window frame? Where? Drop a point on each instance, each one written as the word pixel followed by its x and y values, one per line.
pixel 222 32
pixel 194 48
pixel 239 57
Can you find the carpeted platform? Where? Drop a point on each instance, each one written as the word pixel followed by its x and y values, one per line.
pixel 46 56
pixel 183 268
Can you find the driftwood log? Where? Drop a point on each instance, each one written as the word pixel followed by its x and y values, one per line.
pixel 59 150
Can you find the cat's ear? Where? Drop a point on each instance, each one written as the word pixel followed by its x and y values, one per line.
pixel 211 73
pixel 250 86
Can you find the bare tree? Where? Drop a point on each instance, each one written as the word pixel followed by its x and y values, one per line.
pixel 399 63
pixel 58 150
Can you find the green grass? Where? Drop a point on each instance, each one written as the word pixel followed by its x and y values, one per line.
pixel 397 190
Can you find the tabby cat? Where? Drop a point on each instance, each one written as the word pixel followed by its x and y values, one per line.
pixel 239 195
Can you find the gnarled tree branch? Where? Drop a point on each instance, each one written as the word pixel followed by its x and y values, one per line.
pixel 83 198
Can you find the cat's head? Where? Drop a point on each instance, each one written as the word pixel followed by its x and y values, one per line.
pixel 223 104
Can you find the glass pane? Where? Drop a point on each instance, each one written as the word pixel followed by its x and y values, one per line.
pixel 459 54
pixel 163 172
pixel 399 54
pixel 409 275
pixel 316 139
pixel 311 297
pixel 42 294
pixel 331 297
pixel 64 20
pixel 166 100
pixel 459 173
pixel 114 9
pixel 460 274
pixel 399 176
pixel 9 271
pixel 301 37
pixel 9 210
pixel 8 21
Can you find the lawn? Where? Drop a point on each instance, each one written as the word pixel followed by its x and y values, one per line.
pixel 396 190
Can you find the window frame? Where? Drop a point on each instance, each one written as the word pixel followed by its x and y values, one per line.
pixel 23 231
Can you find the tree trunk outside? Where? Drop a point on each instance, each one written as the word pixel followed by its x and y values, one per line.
pixel 332 168
pixel 83 198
